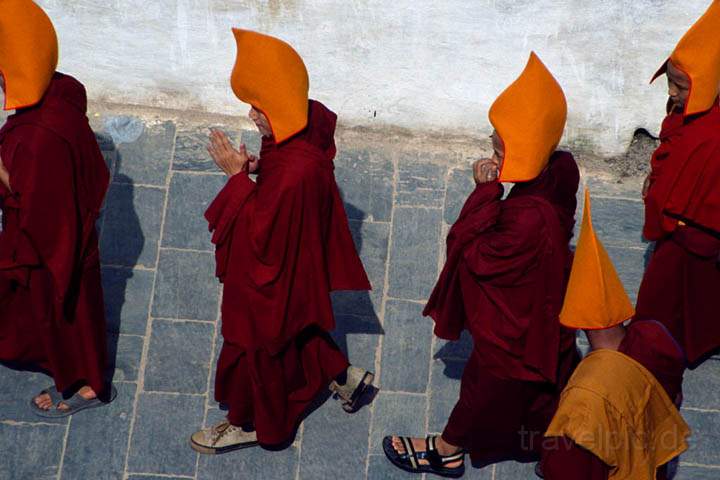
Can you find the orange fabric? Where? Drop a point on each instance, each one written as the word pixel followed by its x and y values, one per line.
pixel 28 52
pixel 271 76
pixel 530 118
pixel 698 55
pixel 595 297
pixel 615 408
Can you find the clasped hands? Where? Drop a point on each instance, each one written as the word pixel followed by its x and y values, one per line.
pixel 229 159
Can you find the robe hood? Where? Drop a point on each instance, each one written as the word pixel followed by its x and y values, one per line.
pixel 530 118
pixel 271 76
pixel 698 55
pixel 28 52
pixel 595 297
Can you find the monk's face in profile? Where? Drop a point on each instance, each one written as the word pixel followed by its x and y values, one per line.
pixel 261 122
pixel 498 150
pixel 2 83
pixel 678 86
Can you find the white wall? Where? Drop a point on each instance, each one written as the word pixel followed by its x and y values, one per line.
pixel 421 64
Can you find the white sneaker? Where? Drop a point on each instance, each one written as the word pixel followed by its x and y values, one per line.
pixel 222 438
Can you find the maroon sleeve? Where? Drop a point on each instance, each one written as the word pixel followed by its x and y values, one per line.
pixel 43 194
pixel 504 253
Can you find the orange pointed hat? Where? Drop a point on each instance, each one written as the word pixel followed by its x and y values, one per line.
pixel 698 55
pixel 530 118
pixel 270 75
pixel 28 52
pixel 595 297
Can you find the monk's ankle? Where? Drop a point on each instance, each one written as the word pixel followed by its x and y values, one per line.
pixel 445 449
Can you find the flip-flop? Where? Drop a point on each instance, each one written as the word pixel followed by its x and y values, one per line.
pixel 76 403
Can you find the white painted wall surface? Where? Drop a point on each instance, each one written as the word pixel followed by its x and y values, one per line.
pixel 432 65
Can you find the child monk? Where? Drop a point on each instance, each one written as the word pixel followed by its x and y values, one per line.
pixel 282 245
pixel 53 182
pixel 682 200
pixel 504 280
pixel 617 417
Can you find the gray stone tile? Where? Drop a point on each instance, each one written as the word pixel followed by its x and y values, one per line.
pixel 419 183
pixel 514 471
pixel 127 299
pixel 17 388
pixel 249 463
pixel 163 425
pixel 358 338
pixel 705 437
pixel 191 150
pixel 140 476
pixel 397 414
pixel 125 352
pixel 630 265
pixel 185 224
pixel 98 439
pixel 334 444
pixel 146 159
pixel 30 451
pixel 485 473
pixel 460 186
pixel 366 182
pixel 444 392
pixel 371 240
pixel 186 287
pixel 601 186
pixel 132 225
pixel 380 468
pixel 701 386
pixel 617 222
pixel 413 258
pixel 686 472
pixel 179 357
pixel 408 337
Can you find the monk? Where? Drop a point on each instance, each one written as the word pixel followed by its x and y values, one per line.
pixel 282 245
pixel 628 388
pixel 682 201
pixel 504 280
pixel 53 182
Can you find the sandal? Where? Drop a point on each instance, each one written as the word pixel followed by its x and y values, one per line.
pixel 222 438
pixel 358 382
pixel 410 459
pixel 75 404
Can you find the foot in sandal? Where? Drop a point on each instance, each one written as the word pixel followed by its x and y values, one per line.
pixel 50 403
pixel 357 382
pixel 425 455
pixel 222 438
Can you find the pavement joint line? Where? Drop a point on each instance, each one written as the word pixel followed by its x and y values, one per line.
pixel 397 299
pixel 416 207
pixel 383 310
pixel 198 173
pixel 701 410
pixel 173 394
pixel 300 432
pixel 402 392
pixel 368 222
pixel 140 185
pixel 185 320
pixel 160 475
pixel 619 197
pixel 148 326
pixel 189 250
pixel 141 268
pixel 63 450
pixel 15 423
pixel 700 465
pixel 120 334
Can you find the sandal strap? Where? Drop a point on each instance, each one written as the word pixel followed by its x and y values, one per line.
pixel 410 451
pixel 436 460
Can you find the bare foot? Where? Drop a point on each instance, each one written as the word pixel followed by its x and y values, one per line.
pixel 443 448
pixel 44 402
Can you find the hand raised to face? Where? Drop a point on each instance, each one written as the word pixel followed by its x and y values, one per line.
pixel 485 170
pixel 226 157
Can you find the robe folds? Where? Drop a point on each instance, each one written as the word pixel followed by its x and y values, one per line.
pixel 504 280
pixel 650 344
pixel 51 300
pixel 682 214
pixel 282 245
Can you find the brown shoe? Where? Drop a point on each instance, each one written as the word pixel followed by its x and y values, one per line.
pixel 222 438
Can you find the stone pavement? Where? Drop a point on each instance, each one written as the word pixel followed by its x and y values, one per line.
pixel 163 308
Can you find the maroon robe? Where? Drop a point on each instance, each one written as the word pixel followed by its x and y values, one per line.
pixel 51 299
pixel 282 245
pixel 504 280
pixel 681 284
pixel 650 344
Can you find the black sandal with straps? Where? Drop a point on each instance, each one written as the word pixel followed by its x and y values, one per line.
pixel 410 459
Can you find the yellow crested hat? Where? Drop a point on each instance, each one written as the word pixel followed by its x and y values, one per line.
pixel 28 52
pixel 270 75
pixel 595 297
pixel 529 116
pixel 698 55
